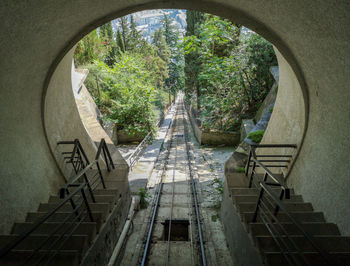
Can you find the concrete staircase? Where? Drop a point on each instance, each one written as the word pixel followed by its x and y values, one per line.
pixel 75 249
pixel 327 235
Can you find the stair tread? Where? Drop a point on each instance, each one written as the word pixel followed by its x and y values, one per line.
pixel 101 207
pixel 58 217
pixel 291 206
pixel 88 228
pixel 18 257
pixel 328 243
pixel 314 258
pixel 254 198
pixel 306 216
pixel 33 241
pixel 98 198
pixel 315 228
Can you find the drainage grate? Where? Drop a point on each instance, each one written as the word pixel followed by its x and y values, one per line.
pixel 179 229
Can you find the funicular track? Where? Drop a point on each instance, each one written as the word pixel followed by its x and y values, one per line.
pixel 174 235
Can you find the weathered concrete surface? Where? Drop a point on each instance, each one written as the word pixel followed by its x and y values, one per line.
pixel 312 37
pixel 213 138
pixel 101 250
pixel 241 246
pixel 89 115
pixel 123 137
pixel 246 126
pixel 270 97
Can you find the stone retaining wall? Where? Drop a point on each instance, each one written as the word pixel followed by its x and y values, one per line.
pixel 211 138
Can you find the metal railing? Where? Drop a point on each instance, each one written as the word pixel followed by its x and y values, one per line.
pixel 131 161
pixel 74 193
pixel 77 157
pixel 270 203
pixel 139 149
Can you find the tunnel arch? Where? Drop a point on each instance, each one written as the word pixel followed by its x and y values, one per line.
pixel 313 38
pixel 234 15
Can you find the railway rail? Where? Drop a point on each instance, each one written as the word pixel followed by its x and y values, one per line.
pixel 175 232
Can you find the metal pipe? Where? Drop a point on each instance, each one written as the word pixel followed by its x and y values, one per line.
pixel 118 246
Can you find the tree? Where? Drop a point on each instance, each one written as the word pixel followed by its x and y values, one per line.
pixel 106 31
pixel 88 49
pixel 175 81
pixel 163 49
pixel 194 19
pixel 124 26
pixel 120 42
pixel 233 78
pixel 135 37
pixel 107 37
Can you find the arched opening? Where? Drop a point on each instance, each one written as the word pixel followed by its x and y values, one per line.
pixel 290 109
pixel 315 54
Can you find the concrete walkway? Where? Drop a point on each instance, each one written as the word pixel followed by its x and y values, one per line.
pixel 142 170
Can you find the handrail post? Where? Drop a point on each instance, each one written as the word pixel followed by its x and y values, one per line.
pixel 252 175
pixel 106 159
pixel 248 162
pixel 87 205
pixel 109 155
pixel 100 173
pixel 89 188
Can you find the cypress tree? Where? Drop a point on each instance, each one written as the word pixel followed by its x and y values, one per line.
pixel 124 26
pixel 120 41
pixel 192 62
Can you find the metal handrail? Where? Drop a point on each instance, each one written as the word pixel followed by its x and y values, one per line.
pixel 270 218
pixel 272 196
pixel 103 148
pixel 106 154
pixel 133 157
pixel 77 155
pixel 253 157
pixel 41 220
pixel 80 182
pixel 139 149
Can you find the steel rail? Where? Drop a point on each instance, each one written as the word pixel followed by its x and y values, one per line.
pixel 194 193
pixel 172 198
pixel 156 204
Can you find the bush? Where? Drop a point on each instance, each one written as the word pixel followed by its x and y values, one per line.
pixel 256 136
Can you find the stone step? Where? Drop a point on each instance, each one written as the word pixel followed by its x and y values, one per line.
pixel 327 243
pixel 94 207
pixel 19 257
pixel 85 228
pixel 112 199
pixel 317 229
pixel 254 191
pixel 32 242
pixel 313 258
pixel 300 216
pixel 113 192
pixel 58 217
pixel 291 207
pixel 254 198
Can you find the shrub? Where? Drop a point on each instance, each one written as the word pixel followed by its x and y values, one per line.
pixel 256 136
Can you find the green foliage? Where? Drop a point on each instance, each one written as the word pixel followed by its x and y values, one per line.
pixel 240 170
pixel 129 90
pixel 144 195
pixel 233 77
pixel 256 136
pixel 89 49
pixel 126 75
pixel 218 184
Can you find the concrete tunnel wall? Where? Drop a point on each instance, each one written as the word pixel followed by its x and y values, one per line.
pixel 62 119
pixel 313 38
